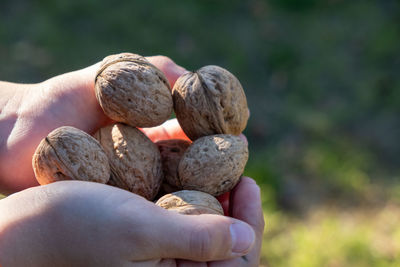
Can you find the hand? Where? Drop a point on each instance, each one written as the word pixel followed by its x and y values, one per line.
pixel 69 100
pixel 74 223
pixel 243 203
pixel 30 112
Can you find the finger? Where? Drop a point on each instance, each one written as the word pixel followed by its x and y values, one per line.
pixel 209 238
pixel 151 263
pixel 170 69
pixel 237 262
pixel 168 130
pixel 186 263
pixel 246 205
pixel 197 238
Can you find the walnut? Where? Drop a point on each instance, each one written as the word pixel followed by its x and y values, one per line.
pixel 135 161
pixel 133 91
pixel 171 154
pixel 68 153
pixel 213 164
pixel 210 101
pixel 191 203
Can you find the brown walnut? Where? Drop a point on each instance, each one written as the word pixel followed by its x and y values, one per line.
pixel 135 161
pixel 133 91
pixel 210 101
pixel 191 203
pixel 68 153
pixel 171 153
pixel 213 164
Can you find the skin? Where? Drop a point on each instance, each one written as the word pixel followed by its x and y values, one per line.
pixel 74 223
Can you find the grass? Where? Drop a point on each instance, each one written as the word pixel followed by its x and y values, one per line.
pixel 310 227
pixel 330 237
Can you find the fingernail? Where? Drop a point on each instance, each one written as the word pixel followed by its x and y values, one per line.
pixel 242 237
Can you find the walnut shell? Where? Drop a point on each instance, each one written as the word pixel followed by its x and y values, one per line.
pixel 132 90
pixel 135 161
pixel 213 164
pixel 191 203
pixel 210 101
pixel 171 153
pixel 68 153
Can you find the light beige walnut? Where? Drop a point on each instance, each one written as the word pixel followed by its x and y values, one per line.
pixel 171 153
pixel 210 101
pixel 135 161
pixel 133 91
pixel 213 164
pixel 68 153
pixel 191 202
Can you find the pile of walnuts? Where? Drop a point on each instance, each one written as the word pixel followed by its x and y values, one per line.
pixel 211 108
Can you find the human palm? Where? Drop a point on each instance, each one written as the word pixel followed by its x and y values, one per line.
pixel 68 99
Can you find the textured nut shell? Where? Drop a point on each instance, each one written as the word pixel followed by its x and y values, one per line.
pixel 213 164
pixel 171 153
pixel 210 101
pixel 191 202
pixel 131 90
pixel 135 161
pixel 70 154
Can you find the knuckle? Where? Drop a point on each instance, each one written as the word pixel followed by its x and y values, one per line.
pixel 162 60
pixel 166 59
pixel 201 240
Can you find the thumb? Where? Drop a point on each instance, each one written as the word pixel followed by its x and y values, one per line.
pixel 203 237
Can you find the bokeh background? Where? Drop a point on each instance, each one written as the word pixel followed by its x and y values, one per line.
pixel 323 85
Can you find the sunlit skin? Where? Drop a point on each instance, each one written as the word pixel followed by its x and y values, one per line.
pixel 76 223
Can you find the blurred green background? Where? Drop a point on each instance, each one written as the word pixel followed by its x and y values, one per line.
pixel 323 86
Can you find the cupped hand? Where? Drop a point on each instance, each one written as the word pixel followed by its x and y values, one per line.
pixel 74 223
pixel 88 224
pixel 35 110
